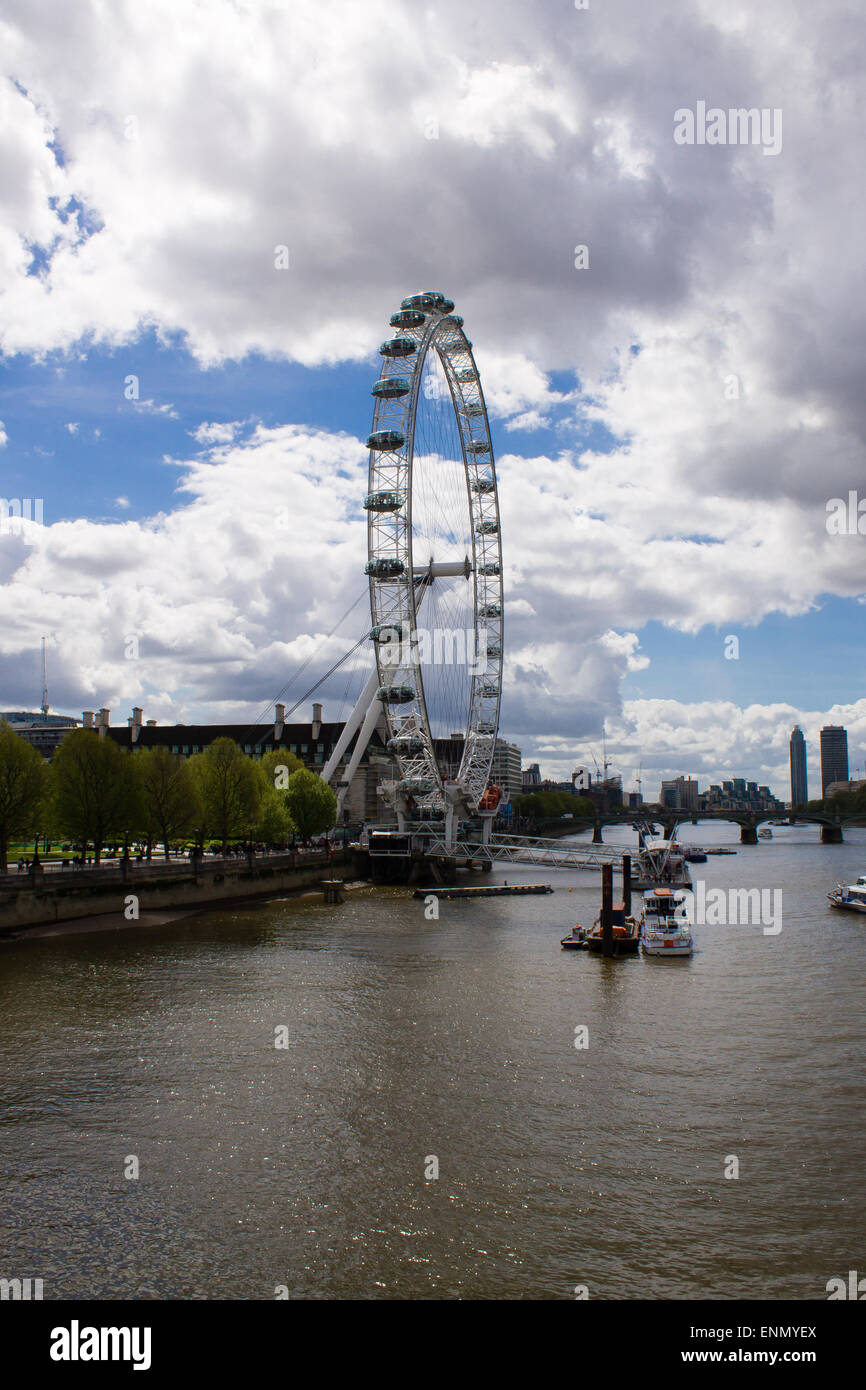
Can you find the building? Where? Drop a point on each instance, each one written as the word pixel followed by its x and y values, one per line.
pixel 531 778
pixel 313 743
pixel 739 795
pixel 505 770
pixel 44 731
pixel 835 787
pixel 680 794
pixel 799 775
pixel 834 755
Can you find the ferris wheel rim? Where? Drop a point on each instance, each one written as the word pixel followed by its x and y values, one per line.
pixel 427 324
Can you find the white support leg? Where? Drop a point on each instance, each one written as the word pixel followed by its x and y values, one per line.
pixel 374 709
pixel 366 698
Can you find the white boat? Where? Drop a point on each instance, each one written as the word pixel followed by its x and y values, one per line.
pixel 765 833
pixel 853 898
pixel 665 928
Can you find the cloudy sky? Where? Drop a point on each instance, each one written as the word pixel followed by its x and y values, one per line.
pixel 670 420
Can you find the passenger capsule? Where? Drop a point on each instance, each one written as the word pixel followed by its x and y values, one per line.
pixel 407 318
pixel 428 299
pixel 487 528
pixel 466 374
pixel 389 632
pixel 398 347
pixel 386 439
pixel 491 610
pixel 491 568
pixel 383 501
pixel 478 446
pixel 490 690
pixel 384 569
pixel 406 746
pixel 483 485
pixel 395 694
pixel 416 786
pixel 390 387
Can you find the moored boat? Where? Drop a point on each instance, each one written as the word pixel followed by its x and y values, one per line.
pixel 665 927
pixel 575 940
pixel 852 898
pixel 661 861
pixel 626 940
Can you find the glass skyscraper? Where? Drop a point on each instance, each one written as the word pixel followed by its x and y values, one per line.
pixel 834 755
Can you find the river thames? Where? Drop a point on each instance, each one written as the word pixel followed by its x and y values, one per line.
pixel 408 1040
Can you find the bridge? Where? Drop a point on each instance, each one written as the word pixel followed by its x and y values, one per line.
pixel 831 822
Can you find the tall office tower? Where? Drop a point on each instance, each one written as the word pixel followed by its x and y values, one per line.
pixel 834 755
pixel 799 777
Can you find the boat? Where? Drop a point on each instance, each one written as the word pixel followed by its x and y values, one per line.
pixel 661 861
pixel 626 938
pixel 765 833
pixel 575 940
pixel 852 898
pixel 720 849
pixel 695 856
pixel 665 926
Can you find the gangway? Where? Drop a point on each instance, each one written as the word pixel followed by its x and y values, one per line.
pixel 505 849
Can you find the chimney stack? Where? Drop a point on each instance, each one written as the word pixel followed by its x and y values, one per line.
pixel 151 723
pixel 279 721
pixel 104 716
pixel 87 718
pixel 135 724
pixel 317 721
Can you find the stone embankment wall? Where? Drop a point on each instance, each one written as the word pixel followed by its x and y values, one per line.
pixel 62 896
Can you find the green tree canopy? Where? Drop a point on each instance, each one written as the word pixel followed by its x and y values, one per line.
pixel 170 795
pixel 96 794
pixel 23 785
pixel 312 805
pixel 230 790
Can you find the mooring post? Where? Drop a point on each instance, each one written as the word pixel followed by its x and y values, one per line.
pixel 607 909
pixel 626 884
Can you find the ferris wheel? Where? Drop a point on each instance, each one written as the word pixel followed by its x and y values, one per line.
pixel 434 569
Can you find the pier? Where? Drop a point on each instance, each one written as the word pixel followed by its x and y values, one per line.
pixel 486 890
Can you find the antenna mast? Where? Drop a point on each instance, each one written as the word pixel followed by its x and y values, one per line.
pixel 44 681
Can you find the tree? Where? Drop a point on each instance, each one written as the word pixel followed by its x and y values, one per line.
pixel 169 793
pixel 23 784
pixel 230 790
pixel 274 822
pixel 95 790
pixel 312 805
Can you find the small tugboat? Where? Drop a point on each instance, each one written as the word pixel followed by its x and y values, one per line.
pixel 665 929
pixel 695 856
pixel 575 939
pixel 765 833
pixel 852 898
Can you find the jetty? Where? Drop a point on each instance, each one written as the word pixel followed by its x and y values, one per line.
pixel 487 890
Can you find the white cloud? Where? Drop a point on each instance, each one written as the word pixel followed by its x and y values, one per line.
pixel 392 147
pixel 216 432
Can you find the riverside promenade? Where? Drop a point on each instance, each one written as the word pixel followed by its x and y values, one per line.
pixel 129 888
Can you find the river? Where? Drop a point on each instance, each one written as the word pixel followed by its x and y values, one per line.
pixel 303 1167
